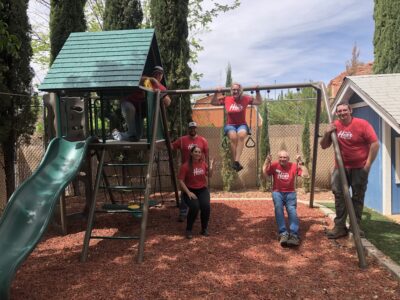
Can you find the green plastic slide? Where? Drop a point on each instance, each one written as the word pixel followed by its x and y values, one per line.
pixel 30 207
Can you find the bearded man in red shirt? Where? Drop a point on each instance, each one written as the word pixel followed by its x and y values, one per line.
pixel 185 144
pixel 359 146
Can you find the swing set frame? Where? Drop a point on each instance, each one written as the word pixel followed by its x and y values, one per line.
pixel 321 96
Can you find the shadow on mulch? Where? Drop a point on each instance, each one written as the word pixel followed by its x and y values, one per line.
pixel 240 260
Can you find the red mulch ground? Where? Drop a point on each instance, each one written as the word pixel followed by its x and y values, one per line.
pixel 240 260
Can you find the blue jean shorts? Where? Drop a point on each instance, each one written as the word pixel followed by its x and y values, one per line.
pixel 236 128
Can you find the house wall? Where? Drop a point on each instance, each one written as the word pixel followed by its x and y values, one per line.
pixel 395 187
pixel 373 196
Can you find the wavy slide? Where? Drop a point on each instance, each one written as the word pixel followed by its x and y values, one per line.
pixel 31 206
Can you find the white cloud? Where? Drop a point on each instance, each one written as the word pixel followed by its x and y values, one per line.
pixel 286 41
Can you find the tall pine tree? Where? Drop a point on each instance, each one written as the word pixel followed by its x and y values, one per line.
pixel 305 144
pixel 122 14
pixel 169 18
pixel 264 146
pixel 387 37
pixel 227 173
pixel 65 17
pixel 17 107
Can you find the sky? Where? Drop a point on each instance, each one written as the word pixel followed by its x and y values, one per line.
pixel 279 41
pixel 285 41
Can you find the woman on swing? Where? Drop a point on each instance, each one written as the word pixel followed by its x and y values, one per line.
pixel 236 127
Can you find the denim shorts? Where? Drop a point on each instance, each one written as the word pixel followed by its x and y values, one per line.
pixel 236 128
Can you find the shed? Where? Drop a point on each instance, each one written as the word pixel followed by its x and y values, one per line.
pixel 376 98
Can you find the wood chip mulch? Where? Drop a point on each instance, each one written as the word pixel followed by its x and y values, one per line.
pixel 241 259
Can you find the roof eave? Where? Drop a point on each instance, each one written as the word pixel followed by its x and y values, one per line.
pixel 348 88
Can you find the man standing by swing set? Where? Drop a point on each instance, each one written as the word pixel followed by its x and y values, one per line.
pixel 236 127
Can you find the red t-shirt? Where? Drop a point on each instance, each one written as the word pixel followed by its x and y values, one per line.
pixel 354 141
pixel 138 96
pixel 195 178
pixel 186 142
pixel 236 111
pixel 284 177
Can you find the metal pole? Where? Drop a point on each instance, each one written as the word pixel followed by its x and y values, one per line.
pixel 345 187
pixel 315 146
pixel 257 148
pixel 250 88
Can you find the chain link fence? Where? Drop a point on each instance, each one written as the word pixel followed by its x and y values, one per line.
pixel 286 137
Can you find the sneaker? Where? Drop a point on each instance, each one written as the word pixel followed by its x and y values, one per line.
pixel 283 239
pixel 235 165
pixel 204 232
pixel 293 241
pixel 189 234
pixel 116 135
pixel 337 232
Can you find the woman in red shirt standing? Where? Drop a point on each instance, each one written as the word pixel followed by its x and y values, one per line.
pixel 193 180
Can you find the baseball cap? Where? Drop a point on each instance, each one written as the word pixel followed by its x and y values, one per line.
pixel 192 124
pixel 158 69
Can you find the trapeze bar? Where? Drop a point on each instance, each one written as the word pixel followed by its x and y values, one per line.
pixel 315 85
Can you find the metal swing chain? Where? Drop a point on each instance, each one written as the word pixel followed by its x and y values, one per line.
pixel 250 143
pixel 298 137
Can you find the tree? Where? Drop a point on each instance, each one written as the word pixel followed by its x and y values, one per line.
pixel 169 18
pixel 353 64
pixel 227 173
pixel 386 37
pixel 65 17
pixel 122 14
pixel 17 107
pixel 264 146
pixel 94 15
pixel 285 112
pixel 199 20
pixel 305 139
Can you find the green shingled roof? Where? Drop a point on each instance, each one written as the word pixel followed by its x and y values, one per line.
pixel 97 61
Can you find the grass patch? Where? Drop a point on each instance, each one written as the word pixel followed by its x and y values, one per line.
pixel 381 231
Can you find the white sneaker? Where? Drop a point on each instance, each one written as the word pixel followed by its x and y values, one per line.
pixel 116 135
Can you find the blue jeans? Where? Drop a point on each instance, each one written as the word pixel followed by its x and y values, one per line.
pixel 288 200
pixel 133 120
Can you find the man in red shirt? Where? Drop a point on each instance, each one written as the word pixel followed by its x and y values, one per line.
pixel 236 127
pixel 185 144
pixel 133 108
pixel 359 146
pixel 284 194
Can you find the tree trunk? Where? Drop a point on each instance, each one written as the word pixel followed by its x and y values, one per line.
pixel 9 168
